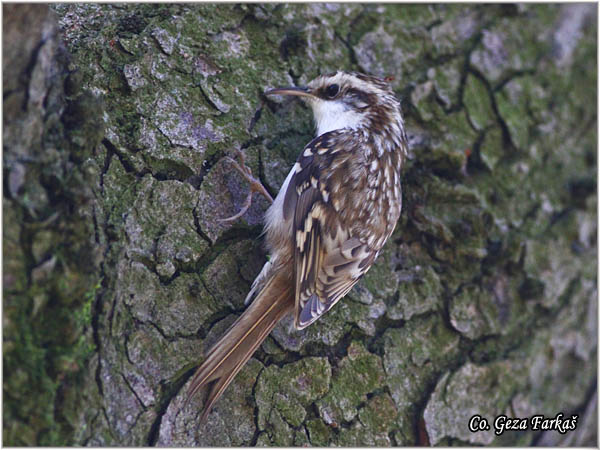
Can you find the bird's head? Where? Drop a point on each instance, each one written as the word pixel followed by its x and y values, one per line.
pixel 349 100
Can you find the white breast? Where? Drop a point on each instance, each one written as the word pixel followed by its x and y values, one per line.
pixel 275 224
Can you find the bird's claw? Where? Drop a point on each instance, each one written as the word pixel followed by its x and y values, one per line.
pixel 255 185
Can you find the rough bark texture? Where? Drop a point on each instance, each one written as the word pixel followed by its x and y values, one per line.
pixel 118 272
pixel 50 257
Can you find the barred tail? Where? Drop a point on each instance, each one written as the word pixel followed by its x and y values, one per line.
pixel 234 349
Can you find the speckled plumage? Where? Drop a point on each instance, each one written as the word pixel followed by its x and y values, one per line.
pixel 333 214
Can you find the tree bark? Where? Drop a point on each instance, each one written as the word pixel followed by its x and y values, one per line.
pixel 50 258
pixel 118 271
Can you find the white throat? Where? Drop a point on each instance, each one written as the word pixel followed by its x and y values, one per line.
pixel 334 115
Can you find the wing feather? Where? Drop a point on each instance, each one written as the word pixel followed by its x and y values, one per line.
pixel 327 259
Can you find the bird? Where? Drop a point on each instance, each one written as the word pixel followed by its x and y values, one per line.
pixel 335 210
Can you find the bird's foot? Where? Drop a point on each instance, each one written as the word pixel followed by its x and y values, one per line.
pixel 255 185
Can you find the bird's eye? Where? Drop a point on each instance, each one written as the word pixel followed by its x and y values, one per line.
pixel 332 90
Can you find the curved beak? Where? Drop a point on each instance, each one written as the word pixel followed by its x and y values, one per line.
pixel 297 91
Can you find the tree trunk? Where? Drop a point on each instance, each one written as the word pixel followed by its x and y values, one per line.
pixel 118 271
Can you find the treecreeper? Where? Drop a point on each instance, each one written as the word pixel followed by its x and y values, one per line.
pixel 336 208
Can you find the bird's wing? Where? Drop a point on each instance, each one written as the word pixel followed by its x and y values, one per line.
pixel 328 259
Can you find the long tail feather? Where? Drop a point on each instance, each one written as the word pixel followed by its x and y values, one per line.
pixel 227 357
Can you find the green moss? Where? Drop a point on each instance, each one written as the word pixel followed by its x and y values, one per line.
pixel 379 415
pixel 446 81
pixel 414 356
pixel 540 262
pixel 485 390
pixel 412 15
pixel 361 370
pixel 492 149
pixel 15 276
pixel 279 433
pixel 291 390
pixel 48 351
pixel 380 280
pixel 418 295
pixel 458 214
pixel 491 309
pixel 358 435
pixel 512 101
pixel 476 99
pixel 318 432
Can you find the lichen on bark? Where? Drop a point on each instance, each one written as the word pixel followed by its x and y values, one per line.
pixel 482 302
